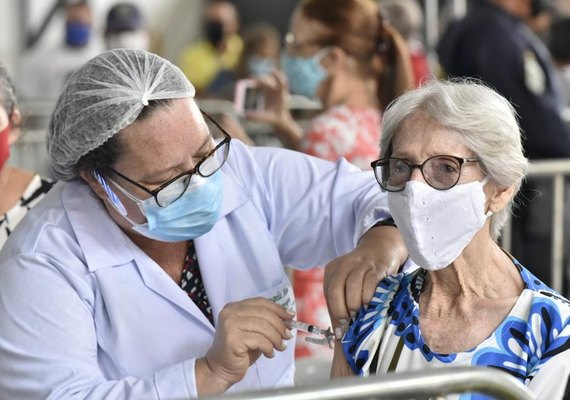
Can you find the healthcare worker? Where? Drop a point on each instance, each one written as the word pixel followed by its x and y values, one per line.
pixel 154 268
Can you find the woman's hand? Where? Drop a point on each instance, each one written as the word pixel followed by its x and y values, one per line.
pixel 351 280
pixel 246 329
pixel 276 113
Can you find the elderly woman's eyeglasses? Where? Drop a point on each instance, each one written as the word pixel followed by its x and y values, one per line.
pixel 440 172
pixel 173 189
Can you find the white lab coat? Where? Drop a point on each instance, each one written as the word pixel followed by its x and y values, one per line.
pixel 84 313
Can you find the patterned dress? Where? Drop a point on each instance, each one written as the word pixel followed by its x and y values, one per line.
pixel 345 132
pixel 532 343
pixel 37 188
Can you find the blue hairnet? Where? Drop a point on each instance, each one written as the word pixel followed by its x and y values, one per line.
pixel 104 96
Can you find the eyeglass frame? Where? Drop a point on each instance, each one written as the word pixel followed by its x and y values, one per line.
pixel 292 46
pixel 154 192
pixel 460 160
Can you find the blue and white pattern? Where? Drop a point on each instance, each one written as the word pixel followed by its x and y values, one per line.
pixel 532 343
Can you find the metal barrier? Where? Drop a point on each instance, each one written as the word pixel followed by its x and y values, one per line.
pixel 406 385
pixel 557 170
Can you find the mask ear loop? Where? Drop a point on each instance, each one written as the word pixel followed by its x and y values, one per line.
pixel 483 183
pixel 113 198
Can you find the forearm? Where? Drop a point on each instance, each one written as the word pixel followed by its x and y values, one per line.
pixel 340 367
pixel 388 241
pixel 288 132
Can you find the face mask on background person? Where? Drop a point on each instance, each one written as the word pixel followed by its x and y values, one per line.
pixel 187 218
pixel 214 32
pixel 258 66
pixel 128 40
pixel 304 74
pixel 437 224
pixel 77 34
pixel 4 145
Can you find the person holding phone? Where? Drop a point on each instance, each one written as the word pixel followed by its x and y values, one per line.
pixel 345 54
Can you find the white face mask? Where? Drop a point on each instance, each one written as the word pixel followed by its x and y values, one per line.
pixel 438 224
pixel 129 40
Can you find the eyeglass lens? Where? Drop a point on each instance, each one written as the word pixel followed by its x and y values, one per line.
pixel 440 172
pixel 207 167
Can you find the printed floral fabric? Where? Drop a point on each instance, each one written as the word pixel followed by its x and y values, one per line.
pixel 532 343
pixel 345 132
pixel 35 191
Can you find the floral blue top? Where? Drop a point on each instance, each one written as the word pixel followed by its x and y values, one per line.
pixel 532 343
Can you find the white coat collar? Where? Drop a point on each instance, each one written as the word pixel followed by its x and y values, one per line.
pixel 95 229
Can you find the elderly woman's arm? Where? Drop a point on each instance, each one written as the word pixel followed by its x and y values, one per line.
pixel 351 280
pixel 340 367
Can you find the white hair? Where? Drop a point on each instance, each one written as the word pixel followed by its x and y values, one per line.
pixel 485 120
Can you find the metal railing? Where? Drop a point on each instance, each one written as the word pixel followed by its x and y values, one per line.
pixel 557 170
pixel 406 385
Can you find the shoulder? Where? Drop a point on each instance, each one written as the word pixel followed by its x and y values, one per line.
pixel 393 303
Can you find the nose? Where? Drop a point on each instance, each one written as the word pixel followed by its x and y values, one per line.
pixel 416 174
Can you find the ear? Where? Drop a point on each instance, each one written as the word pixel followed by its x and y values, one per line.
pixel 500 197
pixel 16 123
pixel 88 177
pixel 334 60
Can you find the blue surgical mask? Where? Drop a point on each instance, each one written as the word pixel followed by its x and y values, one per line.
pixel 189 217
pixel 258 66
pixel 77 34
pixel 305 74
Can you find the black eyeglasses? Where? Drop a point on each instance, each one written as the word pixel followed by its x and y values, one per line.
pixel 173 189
pixel 440 172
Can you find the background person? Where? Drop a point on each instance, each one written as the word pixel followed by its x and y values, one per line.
pixel 408 18
pixel 209 63
pixel 154 262
pixel 125 28
pixel 494 43
pixel 346 55
pixel 451 173
pixel 20 189
pixel 42 71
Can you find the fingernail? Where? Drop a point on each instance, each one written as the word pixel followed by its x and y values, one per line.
pixel 283 345
pixel 338 332
pixel 290 312
pixel 352 314
pixel 343 321
pixel 288 333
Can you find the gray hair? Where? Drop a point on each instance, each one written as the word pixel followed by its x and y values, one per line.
pixel 485 120
pixel 7 92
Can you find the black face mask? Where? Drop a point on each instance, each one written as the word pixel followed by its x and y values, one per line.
pixel 538 6
pixel 214 32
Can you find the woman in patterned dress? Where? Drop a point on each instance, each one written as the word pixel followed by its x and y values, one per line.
pixel 451 163
pixel 345 54
pixel 19 189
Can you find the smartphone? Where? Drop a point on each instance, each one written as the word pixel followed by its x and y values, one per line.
pixel 248 97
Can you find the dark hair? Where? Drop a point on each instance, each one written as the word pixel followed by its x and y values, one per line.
pixel 106 155
pixel 559 39
pixel 358 27
pixel 8 98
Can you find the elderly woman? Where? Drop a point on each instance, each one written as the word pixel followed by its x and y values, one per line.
pixel 20 190
pixel 155 268
pixel 451 163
